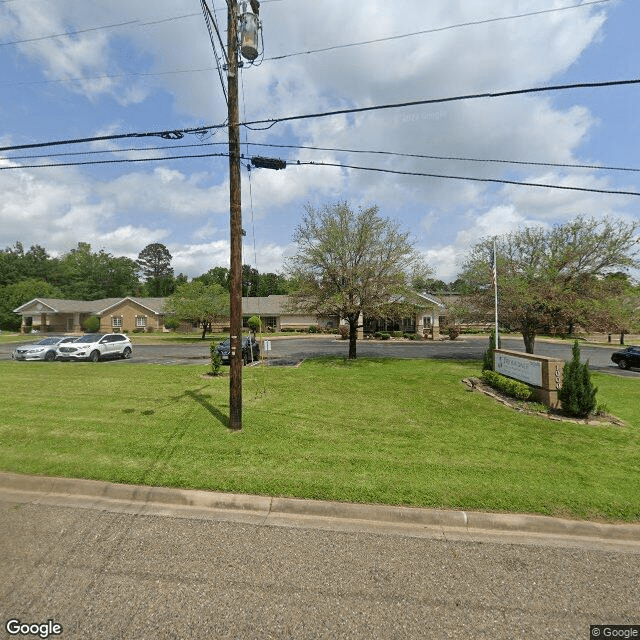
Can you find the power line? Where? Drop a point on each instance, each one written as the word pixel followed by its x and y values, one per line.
pixel 456 158
pixel 450 177
pixel 280 57
pixel 70 33
pixel 435 30
pixel 420 156
pixel 474 96
pixel 176 134
pixel 335 165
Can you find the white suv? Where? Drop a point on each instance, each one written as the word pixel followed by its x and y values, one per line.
pixel 96 346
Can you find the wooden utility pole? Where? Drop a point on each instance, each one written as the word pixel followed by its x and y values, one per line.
pixel 235 285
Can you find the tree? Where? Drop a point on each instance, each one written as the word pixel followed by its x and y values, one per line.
pixel 199 302
pixel 353 264
pixel 154 264
pixel 14 295
pixel 85 275
pixel 551 280
pixel 217 275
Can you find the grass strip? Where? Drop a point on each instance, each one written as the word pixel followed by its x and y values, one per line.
pixel 402 432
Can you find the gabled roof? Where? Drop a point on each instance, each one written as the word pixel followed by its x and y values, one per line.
pixel 55 305
pixel 96 307
pixel 429 297
pixel 155 305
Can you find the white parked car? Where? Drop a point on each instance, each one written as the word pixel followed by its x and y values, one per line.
pixel 96 346
pixel 44 349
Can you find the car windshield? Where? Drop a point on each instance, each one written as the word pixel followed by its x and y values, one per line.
pixel 48 341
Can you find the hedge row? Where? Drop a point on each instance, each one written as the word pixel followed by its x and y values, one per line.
pixel 513 388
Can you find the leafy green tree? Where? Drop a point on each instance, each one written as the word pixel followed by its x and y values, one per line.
pixel 199 302
pixel 250 281
pixel 14 295
pixel 217 275
pixel 552 279
pixel 86 275
pixel 578 395
pixel 154 264
pixel 17 264
pixel 273 284
pixel 353 265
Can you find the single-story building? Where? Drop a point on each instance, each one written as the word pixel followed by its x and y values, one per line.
pixel 275 314
pixel 133 314
pixel 69 316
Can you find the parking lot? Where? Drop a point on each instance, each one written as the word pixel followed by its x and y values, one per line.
pixel 291 350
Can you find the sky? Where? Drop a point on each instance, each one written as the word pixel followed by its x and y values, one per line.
pixel 71 69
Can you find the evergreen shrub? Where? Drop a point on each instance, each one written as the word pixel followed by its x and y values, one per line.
pixel 578 395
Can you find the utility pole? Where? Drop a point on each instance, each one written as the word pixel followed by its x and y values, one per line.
pixel 235 285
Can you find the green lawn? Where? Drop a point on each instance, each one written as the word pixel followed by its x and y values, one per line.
pixel 377 431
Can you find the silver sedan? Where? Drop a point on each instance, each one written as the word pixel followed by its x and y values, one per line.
pixel 44 349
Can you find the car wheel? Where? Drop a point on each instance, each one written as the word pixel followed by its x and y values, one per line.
pixel 623 363
pixel 126 354
pixel 50 356
pixel 94 356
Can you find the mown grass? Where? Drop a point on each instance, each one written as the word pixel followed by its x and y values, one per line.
pixel 376 431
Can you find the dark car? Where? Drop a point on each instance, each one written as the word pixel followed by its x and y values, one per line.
pixel 630 357
pixel 250 350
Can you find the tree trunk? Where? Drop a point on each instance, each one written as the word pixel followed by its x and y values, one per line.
pixel 353 337
pixel 529 340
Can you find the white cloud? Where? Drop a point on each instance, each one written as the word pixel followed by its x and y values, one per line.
pixel 186 205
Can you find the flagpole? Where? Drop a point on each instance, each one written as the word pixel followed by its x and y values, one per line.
pixel 495 289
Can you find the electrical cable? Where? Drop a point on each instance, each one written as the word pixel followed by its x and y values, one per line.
pixel 212 25
pixel 176 134
pixel 337 165
pixel 283 56
pixel 563 165
pixel 473 96
pixel 436 30
pixel 450 177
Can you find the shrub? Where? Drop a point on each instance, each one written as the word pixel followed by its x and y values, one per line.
pixel 384 335
pixel 397 334
pixel 578 395
pixel 453 333
pixel 487 358
pixel 216 359
pixel 254 323
pixel 171 323
pixel 313 328
pixel 92 324
pixel 513 388
pixel 343 330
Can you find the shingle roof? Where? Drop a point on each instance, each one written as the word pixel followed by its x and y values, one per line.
pixel 273 305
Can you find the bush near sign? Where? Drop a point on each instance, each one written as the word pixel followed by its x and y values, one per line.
pixel 542 373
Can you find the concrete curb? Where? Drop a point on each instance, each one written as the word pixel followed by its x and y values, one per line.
pixel 266 507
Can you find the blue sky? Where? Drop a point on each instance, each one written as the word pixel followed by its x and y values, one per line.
pixel 137 66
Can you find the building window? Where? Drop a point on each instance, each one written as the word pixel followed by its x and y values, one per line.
pixel 141 322
pixel 116 322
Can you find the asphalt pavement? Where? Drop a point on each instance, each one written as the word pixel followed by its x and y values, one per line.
pixel 292 350
pixel 116 561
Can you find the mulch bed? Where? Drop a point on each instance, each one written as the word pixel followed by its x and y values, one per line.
pixel 533 408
